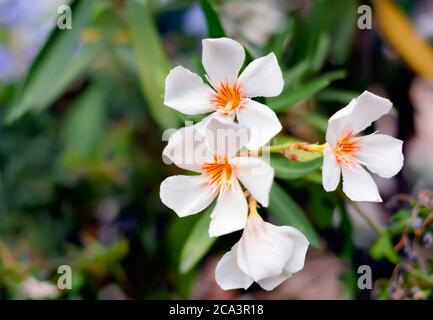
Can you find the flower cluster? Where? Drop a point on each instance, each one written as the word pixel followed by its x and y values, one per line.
pixel 225 149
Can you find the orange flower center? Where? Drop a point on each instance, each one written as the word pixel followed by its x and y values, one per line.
pixel 346 149
pixel 228 98
pixel 220 173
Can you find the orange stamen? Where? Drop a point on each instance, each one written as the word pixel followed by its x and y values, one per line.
pixel 220 173
pixel 228 98
pixel 345 150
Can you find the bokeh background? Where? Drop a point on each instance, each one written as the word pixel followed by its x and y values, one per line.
pixel 81 139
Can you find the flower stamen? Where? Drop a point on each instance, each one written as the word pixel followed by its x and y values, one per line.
pixel 345 150
pixel 228 98
pixel 220 173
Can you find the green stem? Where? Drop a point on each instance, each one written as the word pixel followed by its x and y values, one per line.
pixel 375 227
pixel 280 148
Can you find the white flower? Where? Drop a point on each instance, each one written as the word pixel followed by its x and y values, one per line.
pixel 347 154
pixel 211 150
pixel 266 254
pixel 230 94
pixel 256 20
pixel 32 288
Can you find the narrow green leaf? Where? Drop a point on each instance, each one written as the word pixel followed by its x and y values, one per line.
pixel 282 40
pixel 296 95
pixel 343 29
pixel 197 244
pixel 335 95
pixel 83 125
pixel 317 121
pixel 214 26
pixel 319 57
pixel 37 91
pixel 283 208
pixel 73 70
pixel 153 65
pixel 286 169
pixel 294 74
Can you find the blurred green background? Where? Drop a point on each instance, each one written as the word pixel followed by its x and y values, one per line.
pixel 81 131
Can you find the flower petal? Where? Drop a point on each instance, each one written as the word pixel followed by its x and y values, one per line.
pixel 262 122
pixel 224 137
pixel 186 195
pixel 330 171
pixel 187 93
pixel 228 275
pixel 300 247
pixel 230 213
pixel 358 185
pixel 270 283
pixel 187 149
pixel 262 78
pixel 222 59
pixel 381 154
pixel 256 175
pixel 357 116
pixel 263 252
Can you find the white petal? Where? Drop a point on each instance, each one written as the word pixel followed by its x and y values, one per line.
pixel 270 283
pixel 186 92
pixel 186 195
pixel 262 122
pixel 187 149
pixel 358 185
pixel 330 171
pixel 263 252
pixel 224 138
pixel 357 116
pixel 256 175
pixel 382 154
pixel 300 247
pixel 222 59
pixel 230 213
pixel 228 275
pixel 262 78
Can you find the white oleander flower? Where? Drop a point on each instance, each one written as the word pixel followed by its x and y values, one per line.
pixel 256 20
pixel 266 254
pixel 347 153
pixel 212 151
pixel 229 94
pixel 31 288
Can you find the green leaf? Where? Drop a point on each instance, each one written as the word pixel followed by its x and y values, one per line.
pixel 335 95
pixel 304 92
pixel 44 80
pixel 287 169
pixel 282 40
pixel 285 210
pixel 343 29
pixel 83 126
pixel 319 57
pixel 383 249
pixel 153 65
pixel 197 244
pixel 214 26
pixel 322 205
pixel 294 74
pixel 317 121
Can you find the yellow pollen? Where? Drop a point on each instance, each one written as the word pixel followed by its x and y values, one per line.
pixel 220 173
pixel 228 98
pixel 346 149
